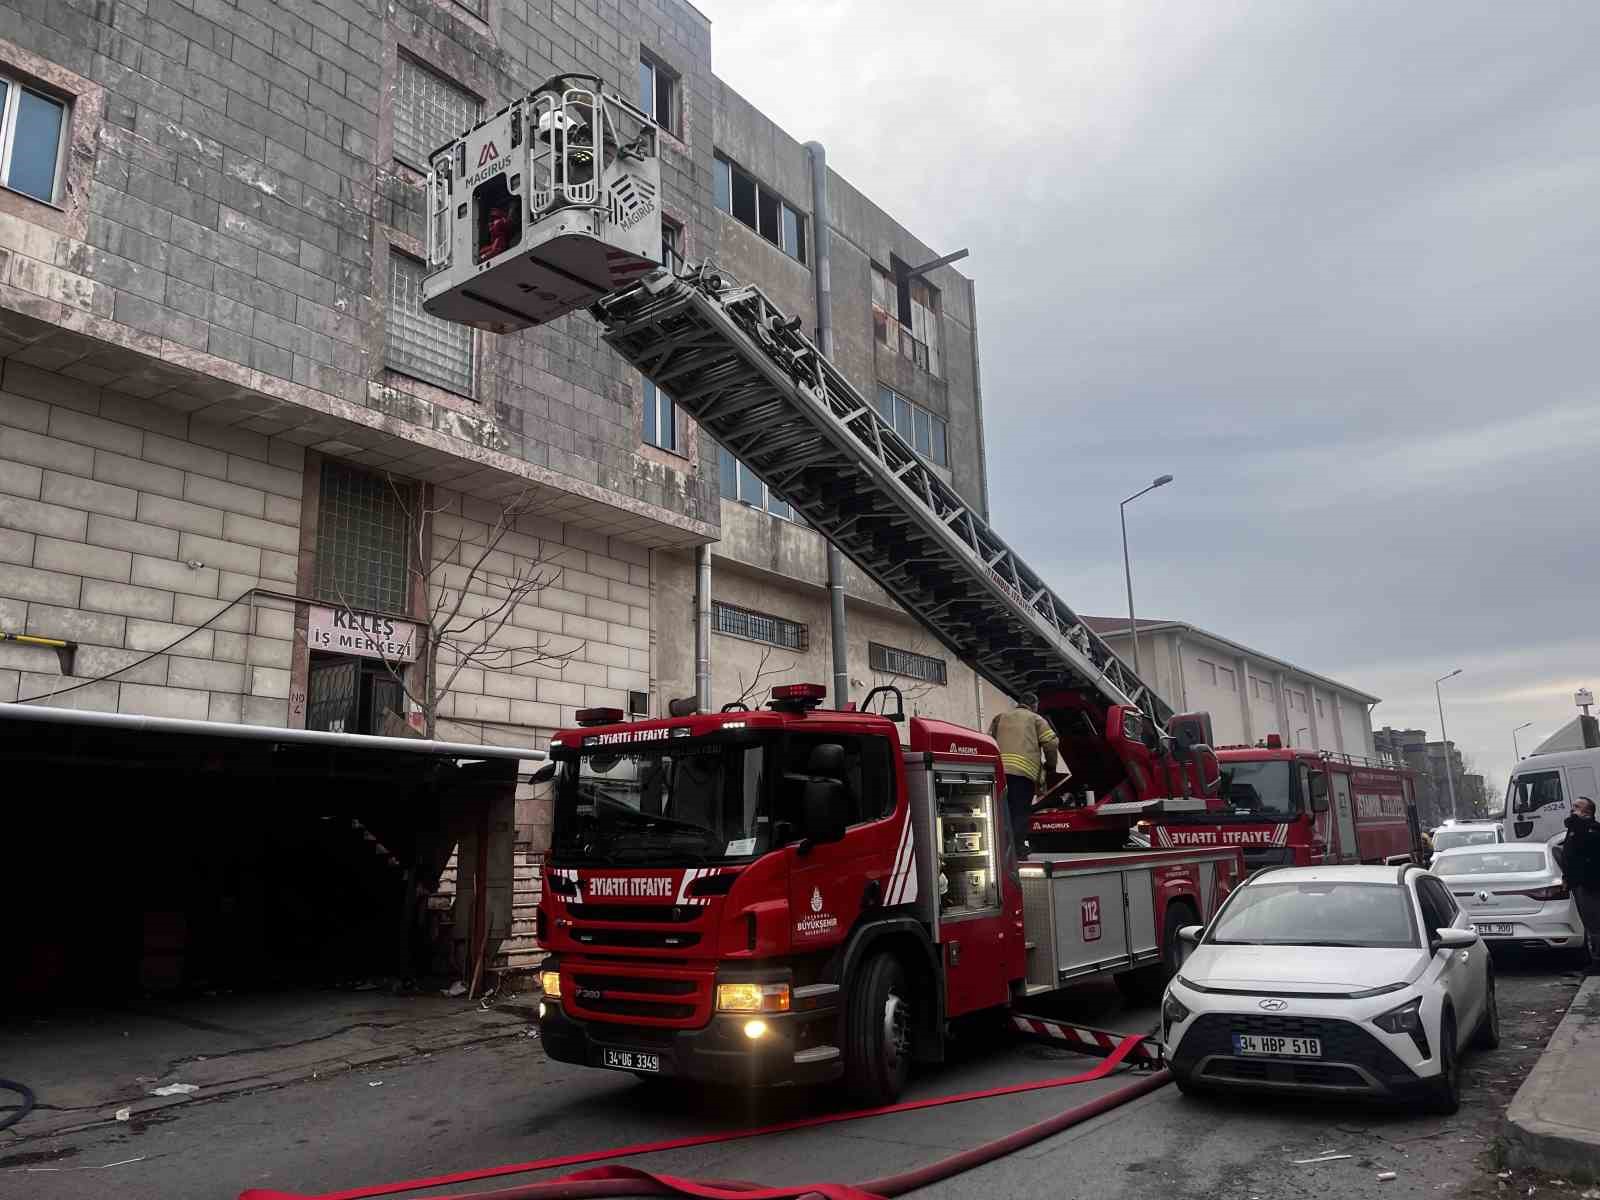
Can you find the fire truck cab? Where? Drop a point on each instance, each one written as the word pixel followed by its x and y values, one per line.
pixel 798 895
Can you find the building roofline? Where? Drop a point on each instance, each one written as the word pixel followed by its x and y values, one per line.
pixel 131 723
pixel 1112 627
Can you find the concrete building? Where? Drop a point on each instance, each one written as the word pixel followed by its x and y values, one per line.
pixel 1430 760
pixel 1249 694
pixel 241 469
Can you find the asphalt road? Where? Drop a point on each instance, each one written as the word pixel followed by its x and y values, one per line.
pixel 506 1103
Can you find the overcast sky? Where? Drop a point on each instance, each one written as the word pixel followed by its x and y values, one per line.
pixel 1332 265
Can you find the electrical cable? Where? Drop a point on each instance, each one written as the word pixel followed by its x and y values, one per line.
pixel 23 1109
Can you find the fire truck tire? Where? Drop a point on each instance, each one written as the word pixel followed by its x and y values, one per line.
pixel 1145 985
pixel 878 1032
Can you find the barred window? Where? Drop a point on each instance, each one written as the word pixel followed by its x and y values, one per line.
pixel 893 661
pixel 362 541
pixel 416 342
pixel 428 112
pixel 759 627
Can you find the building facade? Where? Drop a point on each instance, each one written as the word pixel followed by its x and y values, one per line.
pixel 1431 759
pixel 1248 693
pixel 248 479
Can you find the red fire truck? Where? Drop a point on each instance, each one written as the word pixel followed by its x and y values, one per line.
pixel 799 894
pixel 795 895
pixel 1299 806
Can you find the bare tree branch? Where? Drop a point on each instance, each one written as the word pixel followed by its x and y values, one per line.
pixel 762 672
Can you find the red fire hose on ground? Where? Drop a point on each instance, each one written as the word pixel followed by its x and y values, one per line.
pixel 604 1182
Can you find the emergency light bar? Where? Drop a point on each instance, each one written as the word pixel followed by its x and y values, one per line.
pixel 599 716
pixel 798 696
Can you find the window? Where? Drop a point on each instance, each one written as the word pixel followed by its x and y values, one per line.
pixel 739 482
pixel 759 627
pixel 1225 678
pixel 1369 915
pixel 671 246
pixel 1533 791
pixel 740 196
pixel 658 87
pixel 1438 909
pixel 428 112
pixel 1208 671
pixel 905 662
pixel 923 431
pixel 868 773
pixel 419 344
pixel 1260 688
pixel 362 547
pixel 905 315
pixel 660 418
pixel 33 127
pixel 1321 712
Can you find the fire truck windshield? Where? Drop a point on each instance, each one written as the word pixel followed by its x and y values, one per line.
pixel 1261 787
pixel 674 803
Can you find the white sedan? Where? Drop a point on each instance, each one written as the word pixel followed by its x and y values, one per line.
pixel 1513 894
pixel 1366 981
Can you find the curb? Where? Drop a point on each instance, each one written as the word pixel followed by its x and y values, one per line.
pixel 39 1124
pixel 1541 1128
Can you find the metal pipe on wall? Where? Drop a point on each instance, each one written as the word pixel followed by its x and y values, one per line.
pixel 822 273
pixel 702 628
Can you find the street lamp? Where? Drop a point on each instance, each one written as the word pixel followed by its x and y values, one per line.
pixel 1449 775
pixel 1514 748
pixel 1127 571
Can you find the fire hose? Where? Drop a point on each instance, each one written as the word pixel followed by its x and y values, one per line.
pixel 604 1182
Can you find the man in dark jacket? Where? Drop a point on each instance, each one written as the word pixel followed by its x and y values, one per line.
pixel 1580 867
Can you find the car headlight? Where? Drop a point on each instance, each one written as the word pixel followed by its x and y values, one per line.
pixel 1406 1019
pixel 1173 1010
pixel 550 982
pixel 753 997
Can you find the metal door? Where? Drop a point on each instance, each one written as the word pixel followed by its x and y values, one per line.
pixel 387 697
pixel 1349 851
pixel 334 696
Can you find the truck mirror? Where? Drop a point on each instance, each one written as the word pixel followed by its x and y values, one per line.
pixel 1319 791
pixel 545 773
pixel 824 802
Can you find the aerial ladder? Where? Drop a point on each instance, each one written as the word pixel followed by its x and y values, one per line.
pixel 756 383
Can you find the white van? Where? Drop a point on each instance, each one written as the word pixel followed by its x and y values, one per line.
pixel 1541 791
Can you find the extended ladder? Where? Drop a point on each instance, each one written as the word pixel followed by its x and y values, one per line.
pixel 760 387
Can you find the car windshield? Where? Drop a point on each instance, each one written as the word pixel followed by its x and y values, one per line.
pixel 1449 839
pixel 1490 862
pixel 1319 913
pixel 1260 787
pixel 678 803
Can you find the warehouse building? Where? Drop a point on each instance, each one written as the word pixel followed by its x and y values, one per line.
pixel 243 474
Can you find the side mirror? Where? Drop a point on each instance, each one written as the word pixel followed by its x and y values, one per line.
pixel 1319 791
pixel 1189 935
pixel 824 807
pixel 545 773
pixel 1453 939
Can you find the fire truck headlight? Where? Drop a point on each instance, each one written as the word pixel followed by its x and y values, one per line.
pixel 755 1030
pixel 753 997
pixel 550 981
pixel 1173 1010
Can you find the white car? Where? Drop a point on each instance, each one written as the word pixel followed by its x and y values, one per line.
pixel 1467 833
pixel 1513 894
pixel 1360 980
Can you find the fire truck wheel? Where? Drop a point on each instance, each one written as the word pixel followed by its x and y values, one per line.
pixel 1145 985
pixel 878 1032
pixel 1444 1093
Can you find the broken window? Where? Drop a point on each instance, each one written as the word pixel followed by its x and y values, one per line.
pixel 657 91
pixel 738 195
pixel 905 315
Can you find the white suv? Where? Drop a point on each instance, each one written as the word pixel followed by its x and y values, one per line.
pixel 1357 980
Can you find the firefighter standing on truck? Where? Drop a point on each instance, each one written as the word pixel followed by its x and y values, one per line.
pixel 1027 748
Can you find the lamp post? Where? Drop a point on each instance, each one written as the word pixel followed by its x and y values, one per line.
pixel 1449 774
pixel 1515 749
pixel 1127 570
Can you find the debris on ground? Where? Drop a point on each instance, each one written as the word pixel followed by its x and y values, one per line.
pixel 376 1083
pixel 124 1114
pixel 176 1089
pixel 1305 1162
pixel 455 989
pixel 1386 1176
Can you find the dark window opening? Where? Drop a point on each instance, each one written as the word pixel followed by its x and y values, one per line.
pixel 497 217
pixel 868 772
pixel 744 198
pixel 759 627
pixel 767 206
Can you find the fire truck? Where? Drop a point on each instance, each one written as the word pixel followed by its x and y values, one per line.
pixel 801 894
pixel 1293 806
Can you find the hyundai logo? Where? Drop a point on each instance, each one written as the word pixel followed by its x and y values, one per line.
pixel 1274 1005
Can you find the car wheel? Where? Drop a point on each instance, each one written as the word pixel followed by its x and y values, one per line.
pixel 1487 1036
pixel 1185 1083
pixel 1444 1092
pixel 878 1033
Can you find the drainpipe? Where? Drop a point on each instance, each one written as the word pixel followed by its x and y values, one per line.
pixel 977 400
pixel 702 628
pixel 822 272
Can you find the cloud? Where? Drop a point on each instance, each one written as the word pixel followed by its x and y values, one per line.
pixel 1330 265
